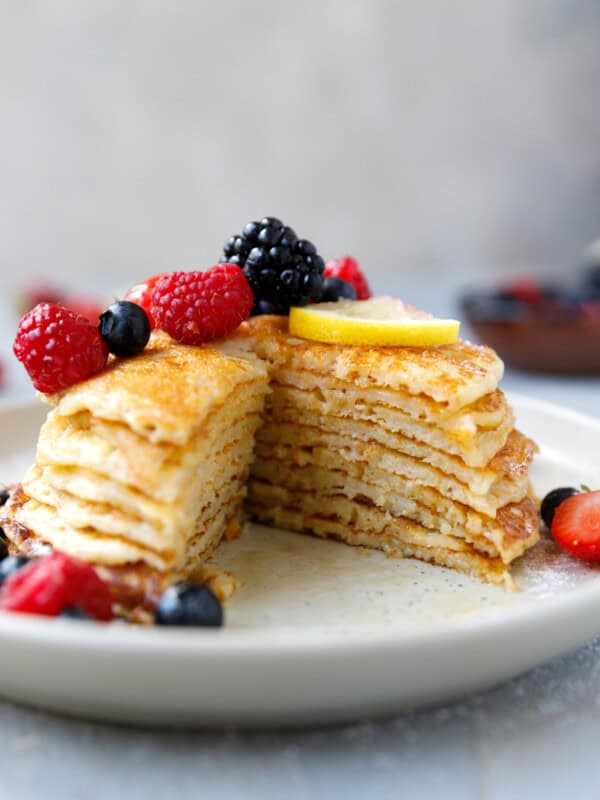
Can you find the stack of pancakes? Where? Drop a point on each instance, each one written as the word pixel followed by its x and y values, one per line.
pixel 409 450
pixel 143 468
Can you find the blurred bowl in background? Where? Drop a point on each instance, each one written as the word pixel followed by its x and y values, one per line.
pixel 538 327
pixel 537 345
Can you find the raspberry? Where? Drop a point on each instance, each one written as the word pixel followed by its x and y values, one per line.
pixel 51 584
pixel 141 294
pixel 196 307
pixel 58 348
pixel 347 269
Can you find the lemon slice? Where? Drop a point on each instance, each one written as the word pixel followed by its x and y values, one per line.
pixel 379 321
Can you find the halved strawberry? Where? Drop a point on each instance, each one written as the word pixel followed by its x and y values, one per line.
pixel 141 294
pixel 576 525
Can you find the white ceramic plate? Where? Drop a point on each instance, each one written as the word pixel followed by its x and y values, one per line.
pixel 320 632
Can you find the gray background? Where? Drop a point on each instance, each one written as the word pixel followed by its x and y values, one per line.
pixel 424 137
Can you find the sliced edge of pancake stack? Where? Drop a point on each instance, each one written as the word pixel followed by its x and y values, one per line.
pixel 412 451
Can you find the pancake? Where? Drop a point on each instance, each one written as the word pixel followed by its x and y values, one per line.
pixel 475 448
pixel 112 518
pixel 507 534
pixel 158 470
pixel 486 412
pixel 166 393
pixel 95 487
pixel 406 540
pixel 453 375
pixel 392 469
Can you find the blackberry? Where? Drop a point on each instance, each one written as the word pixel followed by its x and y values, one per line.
pixel 282 269
pixel 264 307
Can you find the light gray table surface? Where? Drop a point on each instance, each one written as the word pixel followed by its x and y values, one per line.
pixel 536 736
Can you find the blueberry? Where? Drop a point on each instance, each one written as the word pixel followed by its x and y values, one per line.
pixel 74 612
pixel 125 328
pixel 337 289
pixel 188 604
pixel 489 307
pixel 552 501
pixel 9 565
pixel 4 495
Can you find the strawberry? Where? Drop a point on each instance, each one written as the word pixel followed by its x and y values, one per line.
pixel 576 525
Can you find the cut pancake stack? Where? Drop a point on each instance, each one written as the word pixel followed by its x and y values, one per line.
pixel 409 450
pixel 143 468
